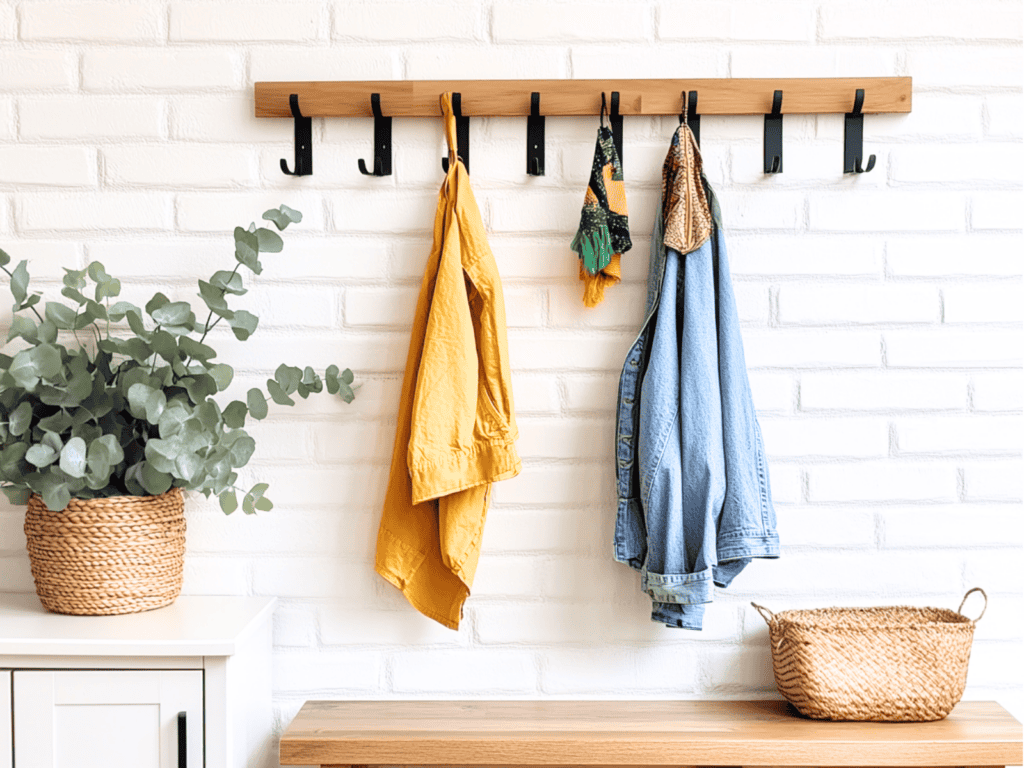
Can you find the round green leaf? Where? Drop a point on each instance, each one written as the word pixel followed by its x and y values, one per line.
pixel 229 282
pixel 172 313
pixel 138 397
pixel 20 419
pixel 73 294
pixel 228 502
pixel 25 327
pixel 56 497
pixel 222 374
pixel 72 457
pixel 160 453
pixel 61 316
pixel 279 395
pixel 209 415
pixel 243 324
pixel 241 451
pixel 107 288
pixel 153 481
pixel 158 300
pixel 155 405
pixel 187 466
pixel 97 272
pixel 234 414
pixel 172 419
pixel 47 360
pixel 257 403
pixel 47 332
pixel 288 377
pixel 194 349
pixel 19 283
pixel 269 240
pixel 164 345
pixel 117 312
pixel 41 455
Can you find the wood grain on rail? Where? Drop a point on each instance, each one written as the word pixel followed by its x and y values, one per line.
pixel 494 98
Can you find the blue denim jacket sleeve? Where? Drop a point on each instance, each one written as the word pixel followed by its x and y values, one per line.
pixel 698 492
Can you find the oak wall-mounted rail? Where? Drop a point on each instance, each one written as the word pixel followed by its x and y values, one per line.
pixel 535 99
pixel 512 98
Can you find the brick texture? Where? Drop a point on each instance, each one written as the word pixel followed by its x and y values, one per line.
pixel 93 21
pixel 881 313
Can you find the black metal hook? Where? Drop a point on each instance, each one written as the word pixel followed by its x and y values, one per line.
pixel 773 136
pixel 535 138
pixel 853 138
pixel 461 133
pixel 381 141
pixel 689 114
pixel 616 121
pixel 303 141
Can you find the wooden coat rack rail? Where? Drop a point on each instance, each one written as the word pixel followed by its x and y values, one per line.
pixel 536 99
pixel 511 98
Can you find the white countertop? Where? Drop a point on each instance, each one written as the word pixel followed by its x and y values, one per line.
pixel 191 626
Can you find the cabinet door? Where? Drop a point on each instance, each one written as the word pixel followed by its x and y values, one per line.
pixel 6 744
pixel 107 719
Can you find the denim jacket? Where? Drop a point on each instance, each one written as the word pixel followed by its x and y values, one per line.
pixel 694 502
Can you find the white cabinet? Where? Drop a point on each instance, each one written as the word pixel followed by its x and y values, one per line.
pixel 6 744
pixel 187 685
pixel 108 719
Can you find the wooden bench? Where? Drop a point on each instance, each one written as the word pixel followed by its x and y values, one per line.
pixel 635 733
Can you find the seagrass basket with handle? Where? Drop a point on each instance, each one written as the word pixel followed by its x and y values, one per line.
pixel 120 554
pixel 883 664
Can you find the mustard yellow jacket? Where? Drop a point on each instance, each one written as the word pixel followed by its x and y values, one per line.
pixel 456 425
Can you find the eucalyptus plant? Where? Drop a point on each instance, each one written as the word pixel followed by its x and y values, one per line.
pixel 126 407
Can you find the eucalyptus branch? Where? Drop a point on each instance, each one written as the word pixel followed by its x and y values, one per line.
pixel 207 327
pixel 34 310
pixel 128 423
pixel 223 292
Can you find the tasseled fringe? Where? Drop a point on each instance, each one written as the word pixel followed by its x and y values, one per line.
pixel 594 285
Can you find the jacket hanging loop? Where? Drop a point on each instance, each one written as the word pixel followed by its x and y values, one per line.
pixel 461 134
pixel 853 138
pixel 303 141
pixel 773 136
pixel 381 142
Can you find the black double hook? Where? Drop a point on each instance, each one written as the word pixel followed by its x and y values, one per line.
pixel 381 142
pixel 853 138
pixel 535 138
pixel 773 136
pixel 461 133
pixel 303 141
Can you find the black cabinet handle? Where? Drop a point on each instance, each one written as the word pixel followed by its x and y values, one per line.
pixel 182 740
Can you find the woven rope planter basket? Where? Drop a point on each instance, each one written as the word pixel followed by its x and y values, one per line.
pixel 882 664
pixel 121 554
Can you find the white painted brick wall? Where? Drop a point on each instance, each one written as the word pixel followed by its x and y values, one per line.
pixel 881 313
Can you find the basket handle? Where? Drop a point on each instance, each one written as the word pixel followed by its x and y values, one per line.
pixel 984 608
pixel 765 613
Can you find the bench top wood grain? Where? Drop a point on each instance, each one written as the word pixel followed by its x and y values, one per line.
pixel 621 733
